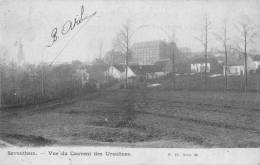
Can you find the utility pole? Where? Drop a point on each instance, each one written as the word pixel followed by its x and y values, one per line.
pixel 1 70
pixel 204 42
pixel 173 65
pixel 245 40
pixel 206 51
pixel 126 61
pixel 225 39
pixel 0 85
pixel 248 32
pixel 226 63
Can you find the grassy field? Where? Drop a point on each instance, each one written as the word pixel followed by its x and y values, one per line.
pixel 139 118
pixel 196 82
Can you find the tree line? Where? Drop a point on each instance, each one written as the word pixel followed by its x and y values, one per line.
pixel 32 84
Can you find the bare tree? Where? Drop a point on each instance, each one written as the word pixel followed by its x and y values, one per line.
pixel 173 46
pixel 223 38
pixel 173 65
pixel 204 41
pixel 3 57
pixel 247 33
pixel 1 68
pixel 121 43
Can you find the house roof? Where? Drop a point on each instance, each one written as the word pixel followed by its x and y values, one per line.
pixel 240 60
pixel 121 68
pixel 137 69
pixel 162 62
pixel 235 61
pixel 256 58
pixel 201 59
pixel 140 69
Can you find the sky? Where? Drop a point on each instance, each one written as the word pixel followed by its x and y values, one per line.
pixel 31 23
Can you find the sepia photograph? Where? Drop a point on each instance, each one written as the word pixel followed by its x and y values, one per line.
pixel 129 74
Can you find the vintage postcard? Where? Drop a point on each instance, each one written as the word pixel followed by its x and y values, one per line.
pixel 129 82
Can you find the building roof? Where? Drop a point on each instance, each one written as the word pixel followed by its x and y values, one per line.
pixel 235 61
pixel 141 69
pixel 137 69
pixel 201 59
pixel 256 57
pixel 121 68
pixel 240 60
pixel 162 63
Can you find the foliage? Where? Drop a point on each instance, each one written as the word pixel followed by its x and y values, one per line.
pixel 31 84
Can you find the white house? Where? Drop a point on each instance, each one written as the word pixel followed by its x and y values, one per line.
pixel 257 64
pixel 235 70
pixel 118 72
pixel 236 66
pixel 130 73
pixel 114 72
pixel 199 67
pixel 256 59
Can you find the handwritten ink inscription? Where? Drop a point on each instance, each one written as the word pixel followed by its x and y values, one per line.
pixel 69 25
